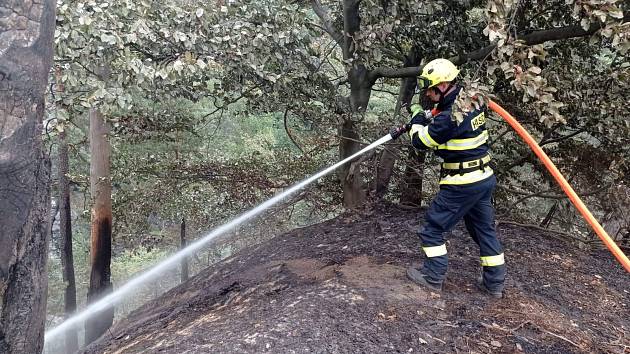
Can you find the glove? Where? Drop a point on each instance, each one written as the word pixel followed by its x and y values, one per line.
pixel 414 109
pixel 398 131
pixel 419 116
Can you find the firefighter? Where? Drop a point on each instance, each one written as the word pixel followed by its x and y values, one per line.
pixel 467 181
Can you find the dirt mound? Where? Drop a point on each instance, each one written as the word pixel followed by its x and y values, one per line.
pixel 340 287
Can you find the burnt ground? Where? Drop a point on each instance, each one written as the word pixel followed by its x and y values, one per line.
pixel 340 287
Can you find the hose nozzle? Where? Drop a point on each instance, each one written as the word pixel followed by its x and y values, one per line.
pixel 398 131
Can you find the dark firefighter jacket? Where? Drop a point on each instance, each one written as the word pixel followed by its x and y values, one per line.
pixel 463 146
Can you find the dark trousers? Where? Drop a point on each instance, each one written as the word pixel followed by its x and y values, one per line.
pixel 473 204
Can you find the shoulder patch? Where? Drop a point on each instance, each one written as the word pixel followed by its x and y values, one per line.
pixel 478 121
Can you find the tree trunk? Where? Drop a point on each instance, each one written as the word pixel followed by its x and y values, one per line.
pixel 25 59
pixel 182 235
pixel 101 231
pixel 360 90
pixel 65 230
pixel 385 169
pixel 390 155
pixel 350 174
pixel 547 220
pixel 411 188
pixel 65 246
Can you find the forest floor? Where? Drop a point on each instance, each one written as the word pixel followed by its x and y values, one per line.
pixel 340 287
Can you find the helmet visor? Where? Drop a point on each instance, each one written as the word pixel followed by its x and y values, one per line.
pixel 423 83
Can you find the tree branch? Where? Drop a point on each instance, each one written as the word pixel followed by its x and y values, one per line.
pixel 229 102
pixel 563 137
pixel 533 38
pixel 566 237
pixel 286 128
pixel 351 25
pixel 547 195
pixel 322 13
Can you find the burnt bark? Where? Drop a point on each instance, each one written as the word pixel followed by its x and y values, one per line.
pixel 65 244
pixel 182 245
pixel 547 220
pixel 101 230
pixel 65 231
pixel 26 36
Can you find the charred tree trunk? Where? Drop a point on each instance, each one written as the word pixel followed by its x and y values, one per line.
pixel 65 244
pixel 65 232
pixel 547 220
pixel 101 231
pixel 182 235
pixel 25 59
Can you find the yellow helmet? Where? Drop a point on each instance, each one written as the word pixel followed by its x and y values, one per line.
pixel 436 71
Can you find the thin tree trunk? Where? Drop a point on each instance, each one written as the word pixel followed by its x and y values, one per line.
pixel 360 90
pixel 385 170
pixel 350 174
pixel 411 188
pixel 547 220
pixel 25 59
pixel 65 246
pixel 101 231
pixel 65 232
pixel 182 235
pixel 405 96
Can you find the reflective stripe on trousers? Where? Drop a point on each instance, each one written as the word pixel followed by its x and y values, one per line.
pixel 435 251
pixel 492 261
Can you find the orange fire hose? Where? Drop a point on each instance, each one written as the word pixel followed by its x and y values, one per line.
pixel 599 230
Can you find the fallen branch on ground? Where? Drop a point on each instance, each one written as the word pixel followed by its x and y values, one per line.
pixel 565 235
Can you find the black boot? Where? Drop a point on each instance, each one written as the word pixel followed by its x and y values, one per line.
pixel 415 275
pixel 497 294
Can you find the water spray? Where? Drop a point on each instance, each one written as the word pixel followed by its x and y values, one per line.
pixel 117 295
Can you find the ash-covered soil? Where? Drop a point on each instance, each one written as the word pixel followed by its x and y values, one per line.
pixel 340 287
